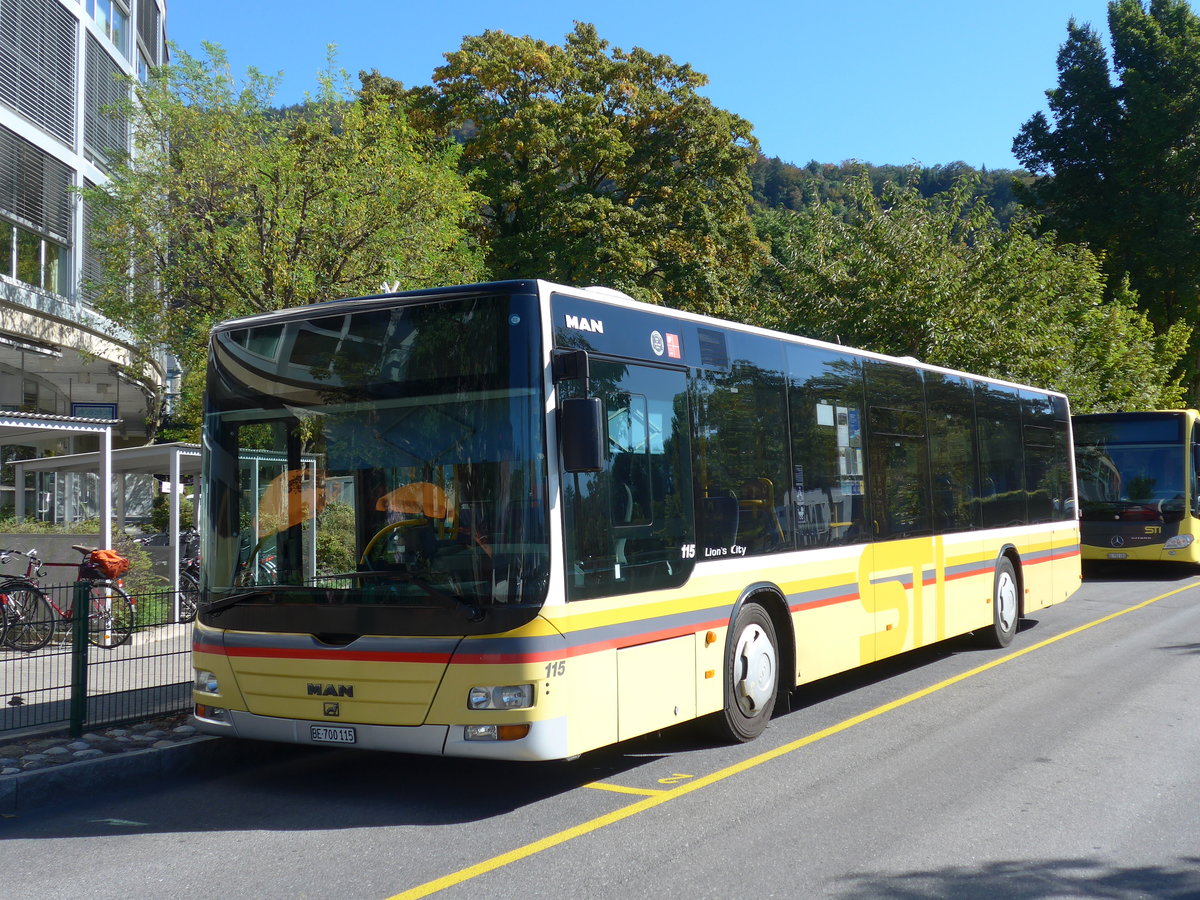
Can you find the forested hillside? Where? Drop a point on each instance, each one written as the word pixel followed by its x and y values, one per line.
pixel 780 185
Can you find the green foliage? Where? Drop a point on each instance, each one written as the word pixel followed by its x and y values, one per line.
pixel 228 207
pixel 160 513
pixel 37 526
pixel 335 539
pixel 1118 168
pixel 938 279
pixel 140 578
pixel 599 167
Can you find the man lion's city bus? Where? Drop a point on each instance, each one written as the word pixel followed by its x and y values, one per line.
pixel 1138 485
pixel 522 520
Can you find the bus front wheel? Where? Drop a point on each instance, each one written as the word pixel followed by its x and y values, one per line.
pixel 751 675
pixel 1006 606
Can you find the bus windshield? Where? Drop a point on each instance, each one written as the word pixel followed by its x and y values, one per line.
pixel 380 456
pixel 1131 468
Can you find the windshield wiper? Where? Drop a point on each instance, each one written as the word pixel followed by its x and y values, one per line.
pixel 471 611
pixel 254 594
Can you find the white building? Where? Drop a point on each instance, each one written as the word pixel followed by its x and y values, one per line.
pixel 59 62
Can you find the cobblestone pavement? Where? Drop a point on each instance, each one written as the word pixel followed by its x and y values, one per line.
pixel 45 751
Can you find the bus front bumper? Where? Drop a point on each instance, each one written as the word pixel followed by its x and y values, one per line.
pixel 547 739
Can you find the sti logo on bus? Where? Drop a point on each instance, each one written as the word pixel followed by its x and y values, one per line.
pixel 580 323
pixel 330 690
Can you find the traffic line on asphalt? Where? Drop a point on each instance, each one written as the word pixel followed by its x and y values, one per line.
pixel 658 798
pixel 621 789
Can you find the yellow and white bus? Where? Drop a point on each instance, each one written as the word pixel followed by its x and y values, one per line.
pixel 1138 485
pixel 522 520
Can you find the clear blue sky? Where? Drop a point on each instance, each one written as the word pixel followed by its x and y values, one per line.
pixel 881 81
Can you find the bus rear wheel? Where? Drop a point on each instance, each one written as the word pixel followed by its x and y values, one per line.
pixel 1006 607
pixel 751 675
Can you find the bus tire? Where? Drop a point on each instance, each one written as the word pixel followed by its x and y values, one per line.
pixel 751 675
pixel 1006 607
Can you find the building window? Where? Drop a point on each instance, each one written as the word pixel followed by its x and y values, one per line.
pixel 38 43
pixel 34 188
pixel 54 267
pixel 149 28
pixel 105 134
pixel 113 22
pixel 30 258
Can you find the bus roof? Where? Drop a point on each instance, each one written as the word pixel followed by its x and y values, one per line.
pixel 597 294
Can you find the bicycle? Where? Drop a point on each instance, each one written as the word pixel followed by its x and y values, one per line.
pixel 189 569
pixel 110 611
pixel 28 615
pixel 189 575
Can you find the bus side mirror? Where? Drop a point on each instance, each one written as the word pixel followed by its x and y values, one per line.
pixel 581 434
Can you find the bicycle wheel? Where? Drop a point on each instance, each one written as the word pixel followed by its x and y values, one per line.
pixel 30 616
pixel 189 596
pixel 110 616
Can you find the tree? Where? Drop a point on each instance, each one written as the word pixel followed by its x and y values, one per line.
pixel 600 167
pixel 1120 168
pixel 228 207
pixel 937 278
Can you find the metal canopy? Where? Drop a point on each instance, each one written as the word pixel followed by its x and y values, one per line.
pixel 127 460
pixel 28 428
pixel 175 460
pixel 39 425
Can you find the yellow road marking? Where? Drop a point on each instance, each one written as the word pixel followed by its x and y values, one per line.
pixel 621 789
pixel 660 797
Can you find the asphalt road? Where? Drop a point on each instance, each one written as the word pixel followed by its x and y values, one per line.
pixel 1064 766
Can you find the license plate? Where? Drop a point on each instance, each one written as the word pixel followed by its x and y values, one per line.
pixel 327 734
pixel 1118 556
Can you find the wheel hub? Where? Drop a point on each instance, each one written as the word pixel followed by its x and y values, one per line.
pixel 1006 601
pixel 756 666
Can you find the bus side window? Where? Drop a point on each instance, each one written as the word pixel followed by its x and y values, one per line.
pixel 626 527
pixel 743 453
pixel 826 400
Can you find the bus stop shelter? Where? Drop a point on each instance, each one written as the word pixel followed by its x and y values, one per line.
pixel 175 460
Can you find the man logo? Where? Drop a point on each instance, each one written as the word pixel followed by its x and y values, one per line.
pixel 580 323
pixel 330 690
pixel 333 709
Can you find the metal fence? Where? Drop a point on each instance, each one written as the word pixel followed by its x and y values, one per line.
pixel 71 683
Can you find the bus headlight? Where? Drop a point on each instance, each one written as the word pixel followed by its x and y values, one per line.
pixel 1178 542
pixel 508 696
pixel 206 682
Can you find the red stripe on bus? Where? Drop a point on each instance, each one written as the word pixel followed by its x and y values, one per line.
pixel 1064 555
pixel 569 651
pixel 828 601
pixel 300 653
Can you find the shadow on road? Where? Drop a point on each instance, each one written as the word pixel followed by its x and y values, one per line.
pixel 285 787
pixel 1022 878
pixel 1160 572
